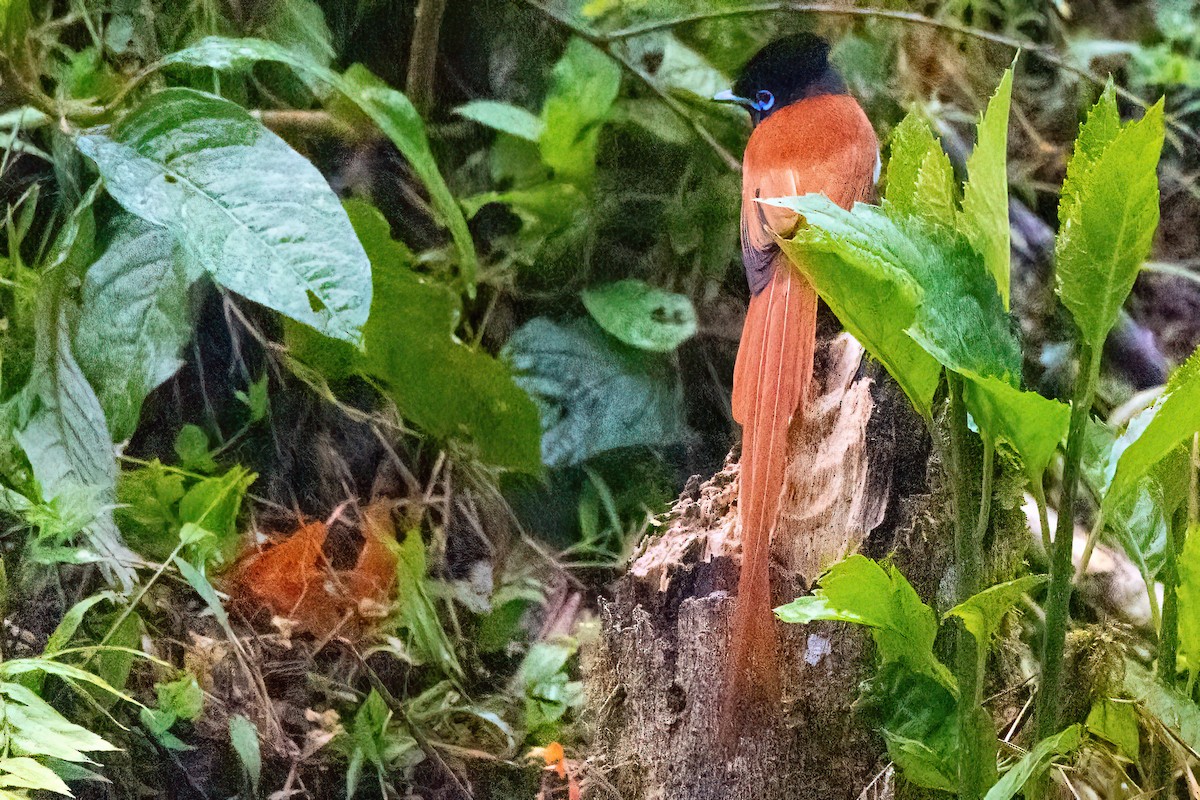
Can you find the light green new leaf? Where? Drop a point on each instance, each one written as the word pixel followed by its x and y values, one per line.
pixel 1116 722
pixel 134 319
pixel 1107 215
pixel 594 393
pixel 22 772
pixel 1031 424
pixel 584 85
pixel 1156 432
pixel 982 613
pixel 860 590
pixel 389 109
pixel 1035 761
pixel 984 217
pixel 1188 593
pixel 920 178
pixel 245 207
pixel 641 315
pixel 503 117
pixel 415 609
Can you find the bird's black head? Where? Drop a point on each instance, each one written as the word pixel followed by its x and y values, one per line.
pixel 783 72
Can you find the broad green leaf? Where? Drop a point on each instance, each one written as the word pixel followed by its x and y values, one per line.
pixel 1188 592
pixel 1116 722
pixel 134 319
pixel 191 445
pixel 450 390
pixel 583 86
pixel 1172 708
pixel 299 25
pixel 1107 215
pixel 982 613
pixel 244 206
pixel 1035 762
pixel 984 217
pixel 214 504
pixel 243 735
pixel 876 302
pixel 917 716
pixel 595 394
pixel 22 772
pixel 70 622
pixel 1032 425
pixel 1154 433
pixel 642 316
pixel 920 178
pixel 865 592
pixel 389 109
pixel 504 117
pixel 182 698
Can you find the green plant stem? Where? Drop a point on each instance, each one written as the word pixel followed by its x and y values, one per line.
pixel 1058 598
pixel 967 655
pixel 1166 662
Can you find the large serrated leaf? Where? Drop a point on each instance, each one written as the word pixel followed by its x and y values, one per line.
pixel 984 217
pixel 134 319
pixel 1033 425
pixel 982 613
pixel 920 179
pixel 245 207
pixel 1107 215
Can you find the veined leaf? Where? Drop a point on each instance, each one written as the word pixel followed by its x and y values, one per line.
pixel 389 109
pixel 982 613
pixel 1036 761
pixel 1156 432
pixel 920 179
pixel 503 117
pixel 984 217
pixel 134 319
pixel 245 207
pixel 1033 425
pixel 642 316
pixel 1107 215
pixel 594 393
pixel 865 592
pixel 1116 722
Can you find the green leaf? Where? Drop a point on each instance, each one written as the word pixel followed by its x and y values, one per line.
pixel 191 445
pixel 642 316
pixel 214 504
pixel 1107 215
pixel 1116 722
pixel 70 622
pixel 299 25
pixel 244 206
pixel 134 319
pixel 584 85
pixel 1188 592
pixel 243 735
pixel 1032 425
pixel 183 698
pixel 504 117
pixel 195 578
pixel 22 772
pixel 595 394
pixel 1172 708
pixel 415 609
pixel 1159 430
pixel 450 390
pixel 389 109
pixel 920 178
pixel 982 613
pixel 918 719
pixel 37 729
pixel 984 217
pixel 865 592
pixel 1035 762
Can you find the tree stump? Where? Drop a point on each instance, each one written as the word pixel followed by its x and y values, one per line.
pixel 856 460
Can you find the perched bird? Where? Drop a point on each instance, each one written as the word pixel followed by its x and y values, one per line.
pixel 809 136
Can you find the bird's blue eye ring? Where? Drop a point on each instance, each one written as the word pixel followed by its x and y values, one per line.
pixel 763 100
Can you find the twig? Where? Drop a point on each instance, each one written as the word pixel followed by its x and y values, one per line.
pixel 1044 52
pixel 418 85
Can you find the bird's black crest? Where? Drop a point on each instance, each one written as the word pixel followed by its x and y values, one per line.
pixel 791 69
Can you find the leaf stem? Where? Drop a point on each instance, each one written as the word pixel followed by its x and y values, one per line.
pixel 1058 598
pixel 967 651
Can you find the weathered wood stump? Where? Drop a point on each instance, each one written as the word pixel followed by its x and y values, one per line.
pixel 655 674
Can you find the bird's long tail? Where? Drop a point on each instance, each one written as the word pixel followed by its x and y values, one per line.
pixel 774 367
